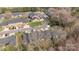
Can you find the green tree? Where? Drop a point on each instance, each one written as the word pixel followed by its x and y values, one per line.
pixel 19 41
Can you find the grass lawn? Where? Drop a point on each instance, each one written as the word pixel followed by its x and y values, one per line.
pixel 34 24
pixel 3 20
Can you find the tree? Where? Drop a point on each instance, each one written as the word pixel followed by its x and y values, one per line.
pixel 19 41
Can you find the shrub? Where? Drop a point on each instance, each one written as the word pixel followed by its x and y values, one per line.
pixel 12 27
pixel 75 33
pixel 60 16
pixel 9 48
pixel 1 28
pixel 41 44
pixel 58 35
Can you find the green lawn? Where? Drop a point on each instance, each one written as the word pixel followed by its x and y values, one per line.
pixel 3 20
pixel 36 23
